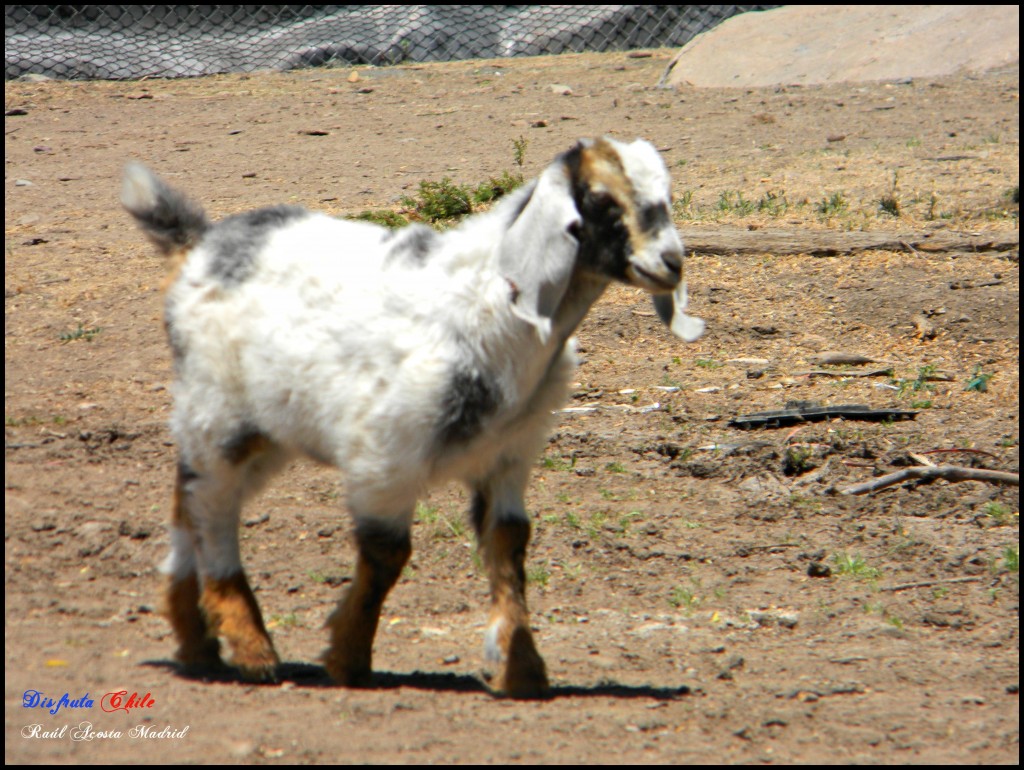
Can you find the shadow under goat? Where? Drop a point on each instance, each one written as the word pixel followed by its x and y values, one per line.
pixel 404 358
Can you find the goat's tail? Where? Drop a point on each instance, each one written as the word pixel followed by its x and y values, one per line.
pixel 172 221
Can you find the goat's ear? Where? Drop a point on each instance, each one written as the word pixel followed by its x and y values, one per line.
pixel 538 251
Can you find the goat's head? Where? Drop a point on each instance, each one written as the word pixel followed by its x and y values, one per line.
pixel 623 195
pixel 603 212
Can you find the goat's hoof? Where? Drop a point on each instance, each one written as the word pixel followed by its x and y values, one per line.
pixel 347 674
pixel 257 663
pixel 356 679
pixel 523 681
pixel 201 658
pixel 523 688
pixel 259 674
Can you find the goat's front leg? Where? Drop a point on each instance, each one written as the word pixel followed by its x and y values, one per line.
pixel 383 552
pixel 503 530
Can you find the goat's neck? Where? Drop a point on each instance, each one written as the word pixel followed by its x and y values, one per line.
pixel 583 291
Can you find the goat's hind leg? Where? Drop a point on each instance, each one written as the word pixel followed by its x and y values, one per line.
pixel 384 549
pixel 198 649
pixel 503 530
pixel 208 593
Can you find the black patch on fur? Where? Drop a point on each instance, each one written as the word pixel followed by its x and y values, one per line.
pixel 478 512
pixel 654 217
pixel 604 238
pixel 385 551
pixel 470 399
pixel 185 473
pixel 248 441
pixel 235 241
pixel 412 244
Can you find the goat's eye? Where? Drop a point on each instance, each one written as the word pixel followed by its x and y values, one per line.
pixel 602 204
pixel 575 230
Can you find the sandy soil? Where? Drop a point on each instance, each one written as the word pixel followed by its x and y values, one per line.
pixel 701 593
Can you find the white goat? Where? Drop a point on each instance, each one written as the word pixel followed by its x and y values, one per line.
pixel 403 357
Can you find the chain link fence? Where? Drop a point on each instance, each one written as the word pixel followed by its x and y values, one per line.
pixel 120 42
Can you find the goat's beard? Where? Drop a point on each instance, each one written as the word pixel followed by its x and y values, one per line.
pixel 672 311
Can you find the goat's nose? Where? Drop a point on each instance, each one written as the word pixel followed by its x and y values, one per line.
pixel 673 260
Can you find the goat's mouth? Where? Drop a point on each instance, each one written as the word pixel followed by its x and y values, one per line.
pixel 655 283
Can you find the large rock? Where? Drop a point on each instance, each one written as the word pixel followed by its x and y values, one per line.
pixel 809 44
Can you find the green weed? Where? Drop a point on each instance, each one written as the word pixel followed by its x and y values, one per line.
pixel 732 202
pixel 890 203
pixel 855 566
pixel 1000 515
pixel 833 205
pixel 385 217
pixel 1011 558
pixel 81 333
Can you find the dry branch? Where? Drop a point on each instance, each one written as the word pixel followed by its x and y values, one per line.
pixel 735 240
pixel 947 472
pixel 929 583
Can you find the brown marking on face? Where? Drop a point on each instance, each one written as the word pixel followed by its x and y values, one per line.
pixel 231 610
pixel 601 171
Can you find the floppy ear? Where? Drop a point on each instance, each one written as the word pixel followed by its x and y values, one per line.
pixel 538 251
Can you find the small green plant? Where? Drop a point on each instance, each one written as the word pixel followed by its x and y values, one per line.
pixel 558 463
pixel 495 188
pixel 440 201
pixel 1011 558
pixel 615 467
pixel 427 514
pixel 733 202
pixel 81 333
pixel 390 219
pixel 979 380
pixel 627 518
pixel 919 383
pixel 684 598
pixel 890 203
pixel 519 150
pixel 1000 515
pixel 597 522
pixel 797 460
pixel 773 204
pixel 708 363
pixel 538 575
pixel 855 566
pixel 682 206
pixel 833 205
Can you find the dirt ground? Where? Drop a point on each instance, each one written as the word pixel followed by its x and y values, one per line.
pixel 701 593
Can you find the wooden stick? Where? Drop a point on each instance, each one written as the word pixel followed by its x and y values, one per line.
pixel 947 472
pixel 927 583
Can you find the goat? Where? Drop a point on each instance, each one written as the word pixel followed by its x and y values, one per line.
pixel 404 358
